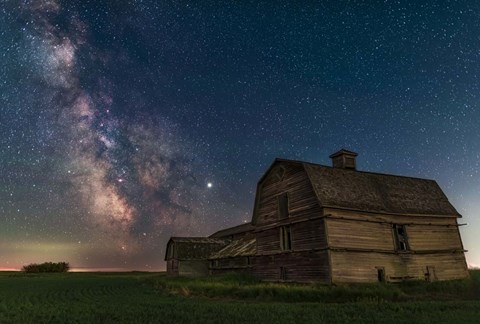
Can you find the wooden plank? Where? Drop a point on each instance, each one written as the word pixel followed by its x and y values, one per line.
pixel 299 266
pixel 361 266
pixel 362 235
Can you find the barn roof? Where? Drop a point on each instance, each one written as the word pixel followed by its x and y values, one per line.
pixel 242 247
pixel 200 240
pixel 378 192
pixel 374 192
pixel 195 248
pixel 234 230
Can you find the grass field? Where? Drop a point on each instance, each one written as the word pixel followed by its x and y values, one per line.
pixel 155 298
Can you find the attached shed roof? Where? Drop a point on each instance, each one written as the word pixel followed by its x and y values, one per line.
pixel 195 248
pixel 248 227
pixel 241 247
pixel 374 192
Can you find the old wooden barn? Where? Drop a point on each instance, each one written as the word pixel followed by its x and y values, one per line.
pixel 336 224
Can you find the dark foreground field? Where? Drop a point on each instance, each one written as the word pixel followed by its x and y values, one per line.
pixel 154 298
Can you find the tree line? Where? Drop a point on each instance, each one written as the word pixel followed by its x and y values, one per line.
pixel 46 267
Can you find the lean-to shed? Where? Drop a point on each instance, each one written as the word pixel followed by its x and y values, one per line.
pixel 188 256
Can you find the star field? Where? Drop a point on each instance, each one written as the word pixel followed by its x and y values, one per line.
pixel 125 123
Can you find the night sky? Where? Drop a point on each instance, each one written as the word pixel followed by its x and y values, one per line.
pixel 123 123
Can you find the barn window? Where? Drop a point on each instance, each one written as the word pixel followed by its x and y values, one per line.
pixel 282 205
pixel 381 274
pixel 285 238
pixel 349 162
pixel 171 251
pixel 401 239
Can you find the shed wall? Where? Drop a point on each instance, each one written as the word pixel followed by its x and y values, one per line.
pixel 193 268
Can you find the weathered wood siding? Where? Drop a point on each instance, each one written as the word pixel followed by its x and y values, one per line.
pixel 362 266
pixel 301 197
pixel 241 264
pixel 375 232
pixel 360 235
pixel 308 266
pixel 389 218
pixel 172 267
pixel 361 242
pixel 193 268
pixel 379 236
pixel 306 235
pixel 307 260
pixel 433 237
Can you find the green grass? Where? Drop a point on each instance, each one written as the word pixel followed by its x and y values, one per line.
pixel 248 288
pixel 155 298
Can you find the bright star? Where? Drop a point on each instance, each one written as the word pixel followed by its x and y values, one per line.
pixel 209 185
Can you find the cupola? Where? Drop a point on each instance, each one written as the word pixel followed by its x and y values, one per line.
pixel 344 159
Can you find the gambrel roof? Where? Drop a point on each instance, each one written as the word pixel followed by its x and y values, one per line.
pixel 372 192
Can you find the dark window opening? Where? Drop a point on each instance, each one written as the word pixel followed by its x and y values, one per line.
pixel 381 274
pixel 280 173
pixel 283 273
pixel 401 239
pixel 283 205
pixel 285 238
pixel 248 261
pixel 349 162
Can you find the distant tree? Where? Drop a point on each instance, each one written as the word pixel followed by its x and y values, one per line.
pixel 46 267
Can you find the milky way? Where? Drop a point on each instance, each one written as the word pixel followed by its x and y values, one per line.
pixel 132 181
pixel 125 123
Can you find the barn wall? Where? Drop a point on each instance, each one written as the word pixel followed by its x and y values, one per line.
pixel 362 266
pixel 308 260
pixel 193 268
pixel 360 235
pixel 389 218
pixel 363 241
pixel 308 266
pixel 305 235
pixel 346 229
pixel 431 237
